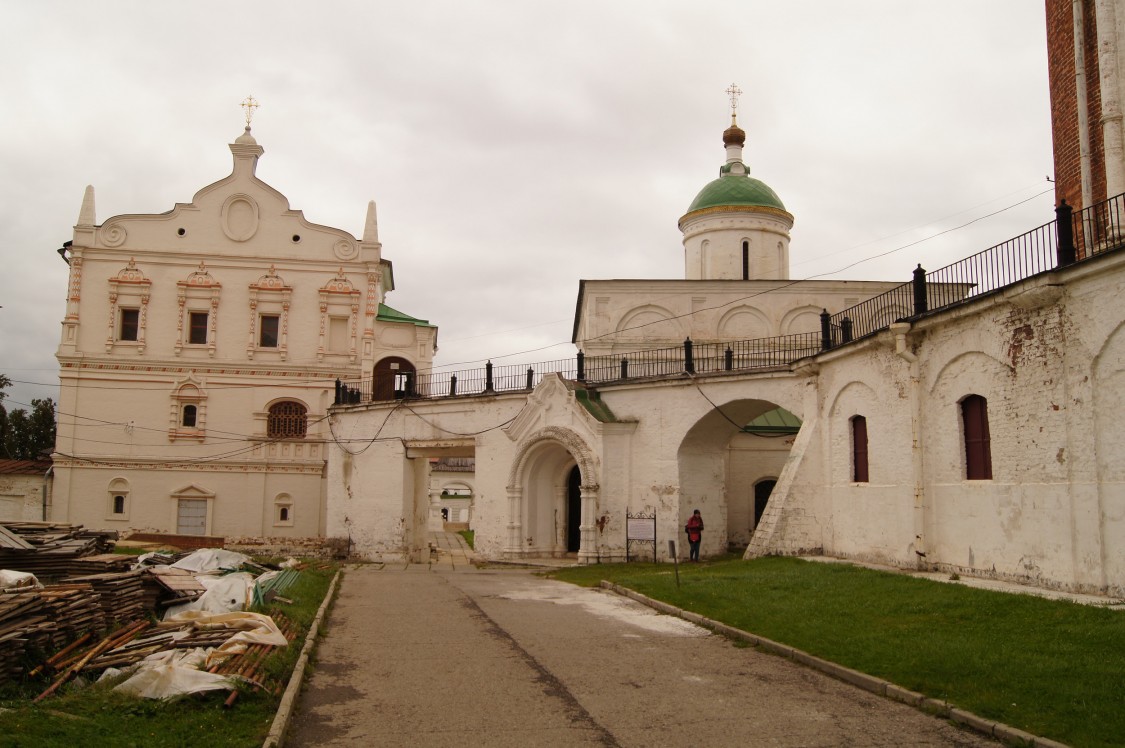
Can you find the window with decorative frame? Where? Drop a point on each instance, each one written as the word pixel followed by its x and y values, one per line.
pixel 269 315
pixel 339 317
pixel 198 299
pixel 128 308
pixel 188 411
pixel 117 500
pixel 283 510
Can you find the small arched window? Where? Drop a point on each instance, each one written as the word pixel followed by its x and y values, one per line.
pixel 118 504
pixel 287 420
pixel 745 260
pixel 188 420
pixel 978 448
pixel 859 449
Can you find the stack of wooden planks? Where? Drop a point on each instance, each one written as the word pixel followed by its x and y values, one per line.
pixel 121 594
pixel 49 550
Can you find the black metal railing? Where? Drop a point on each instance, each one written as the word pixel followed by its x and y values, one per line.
pixel 1071 238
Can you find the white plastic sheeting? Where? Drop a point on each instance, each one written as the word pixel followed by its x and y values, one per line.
pixel 211 560
pixel 223 595
pixel 171 673
pixel 18 579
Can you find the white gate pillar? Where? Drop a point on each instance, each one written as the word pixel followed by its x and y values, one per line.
pixel 588 548
pixel 514 546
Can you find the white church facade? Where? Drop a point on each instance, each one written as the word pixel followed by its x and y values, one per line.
pixel 199 354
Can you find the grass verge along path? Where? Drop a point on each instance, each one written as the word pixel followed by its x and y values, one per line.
pixel 1051 668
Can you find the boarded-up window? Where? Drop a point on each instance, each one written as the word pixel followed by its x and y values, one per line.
pixel 978 451
pixel 859 449
pixel 191 517
pixel 337 334
pixel 287 420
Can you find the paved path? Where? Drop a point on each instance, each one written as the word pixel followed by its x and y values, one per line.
pixel 446 655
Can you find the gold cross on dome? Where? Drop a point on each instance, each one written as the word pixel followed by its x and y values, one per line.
pixel 249 104
pixel 734 92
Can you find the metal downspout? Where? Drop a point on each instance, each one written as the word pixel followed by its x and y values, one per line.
pixel 902 350
pixel 47 476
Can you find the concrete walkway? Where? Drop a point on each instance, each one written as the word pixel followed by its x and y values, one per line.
pixel 444 654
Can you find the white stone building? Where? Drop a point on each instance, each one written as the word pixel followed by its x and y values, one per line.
pixel 199 355
pixel 24 489
pixel 969 422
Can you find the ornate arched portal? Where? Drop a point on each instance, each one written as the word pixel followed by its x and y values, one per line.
pixel 541 515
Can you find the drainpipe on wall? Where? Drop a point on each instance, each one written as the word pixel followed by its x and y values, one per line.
pixel 1113 136
pixel 899 330
pixel 1082 104
pixel 46 493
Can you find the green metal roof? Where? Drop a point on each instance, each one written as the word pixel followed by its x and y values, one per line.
pixel 776 421
pixel 386 314
pixel 735 189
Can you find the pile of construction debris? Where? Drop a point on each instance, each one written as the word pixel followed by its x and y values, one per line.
pixel 98 612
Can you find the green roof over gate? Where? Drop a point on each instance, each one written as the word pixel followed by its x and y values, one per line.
pixel 776 421
pixel 386 314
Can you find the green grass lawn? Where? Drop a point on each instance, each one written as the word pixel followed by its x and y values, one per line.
pixel 1051 668
pixel 94 715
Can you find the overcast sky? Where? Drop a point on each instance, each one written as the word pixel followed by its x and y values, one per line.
pixel 516 147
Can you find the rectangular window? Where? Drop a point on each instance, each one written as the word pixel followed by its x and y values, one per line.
pixel 130 324
pixel 978 448
pixel 268 327
pixel 337 334
pixel 197 328
pixel 859 449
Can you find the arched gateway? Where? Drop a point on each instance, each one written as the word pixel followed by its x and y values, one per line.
pixel 552 497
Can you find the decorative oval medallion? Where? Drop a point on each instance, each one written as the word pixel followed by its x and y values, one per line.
pixel 240 217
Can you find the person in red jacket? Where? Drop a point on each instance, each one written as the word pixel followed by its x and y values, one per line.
pixel 694 530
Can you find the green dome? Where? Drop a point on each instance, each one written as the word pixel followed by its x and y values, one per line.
pixel 735 189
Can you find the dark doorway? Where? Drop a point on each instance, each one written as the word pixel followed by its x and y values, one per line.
pixel 762 491
pixel 393 379
pixel 573 510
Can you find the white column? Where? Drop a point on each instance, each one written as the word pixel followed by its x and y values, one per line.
pixel 435 523
pixel 514 547
pixel 588 548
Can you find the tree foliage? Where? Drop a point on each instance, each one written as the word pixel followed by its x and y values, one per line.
pixel 24 435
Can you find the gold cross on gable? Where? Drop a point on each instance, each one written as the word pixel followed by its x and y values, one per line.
pixel 249 104
pixel 734 92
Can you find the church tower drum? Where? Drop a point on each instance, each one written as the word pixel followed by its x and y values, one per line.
pixel 736 228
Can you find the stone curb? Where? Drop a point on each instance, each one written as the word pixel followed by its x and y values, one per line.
pixel 276 736
pixel 867 682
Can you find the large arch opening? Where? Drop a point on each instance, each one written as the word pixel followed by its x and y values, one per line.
pixel 729 462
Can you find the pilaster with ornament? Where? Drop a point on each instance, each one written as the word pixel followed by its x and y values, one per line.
pixel 374 278
pixel 73 297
